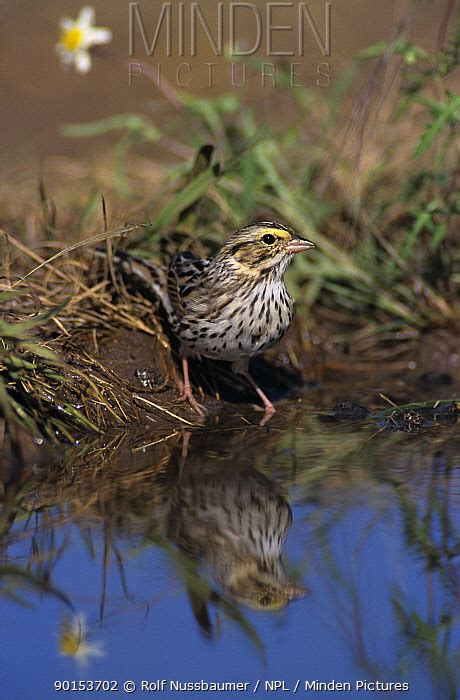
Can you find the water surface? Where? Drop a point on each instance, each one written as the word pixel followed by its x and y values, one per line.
pixel 306 550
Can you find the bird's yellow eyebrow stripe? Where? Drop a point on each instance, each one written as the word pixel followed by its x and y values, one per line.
pixel 278 232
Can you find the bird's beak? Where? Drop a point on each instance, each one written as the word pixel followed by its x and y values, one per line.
pixel 299 245
pixel 293 592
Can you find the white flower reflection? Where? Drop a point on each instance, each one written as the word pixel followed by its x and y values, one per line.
pixel 74 640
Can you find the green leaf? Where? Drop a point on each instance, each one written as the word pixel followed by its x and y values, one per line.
pixel 12 294
pixel 89 209
pixel 19 328
pixel 430 134
pixel 131 122
pixel 447 115
pixel 191 192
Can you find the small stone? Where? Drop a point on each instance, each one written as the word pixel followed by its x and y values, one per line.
pixel 405 421
pixel 446 413
pixel 436 378
pixel 149 378
pixel 347 410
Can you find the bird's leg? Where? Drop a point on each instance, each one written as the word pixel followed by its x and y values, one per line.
pixel 186 435
pixel 187 393
pixel 269 407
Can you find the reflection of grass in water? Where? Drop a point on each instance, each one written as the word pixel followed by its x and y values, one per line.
pixel 18 581
pixel 430 528
pixel 430 640
pixel 382 472
pixel 115 499
pixel 203 598
pixel 125 495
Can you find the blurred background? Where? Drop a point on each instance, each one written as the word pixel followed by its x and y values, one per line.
pixel 39 96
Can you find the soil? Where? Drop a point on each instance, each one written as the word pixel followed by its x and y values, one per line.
pixel 427 368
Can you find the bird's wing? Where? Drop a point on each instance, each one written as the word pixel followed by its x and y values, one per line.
pixel 147 275
pixel 186 283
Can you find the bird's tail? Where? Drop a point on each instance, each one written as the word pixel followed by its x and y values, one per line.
pixel 149 276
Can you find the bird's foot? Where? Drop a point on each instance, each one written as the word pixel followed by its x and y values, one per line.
pixel 269 408
pixel 268 414
pixel 187 395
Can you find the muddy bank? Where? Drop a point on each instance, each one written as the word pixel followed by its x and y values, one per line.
pixel 145 369
pixel 118 377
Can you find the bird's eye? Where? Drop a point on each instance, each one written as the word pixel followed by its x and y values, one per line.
pixel 269 239
pixel 265 600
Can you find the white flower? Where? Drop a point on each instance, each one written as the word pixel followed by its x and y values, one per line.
pixel 74 640
pixel 77 37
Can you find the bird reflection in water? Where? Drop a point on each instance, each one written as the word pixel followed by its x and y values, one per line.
pixel 235 521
